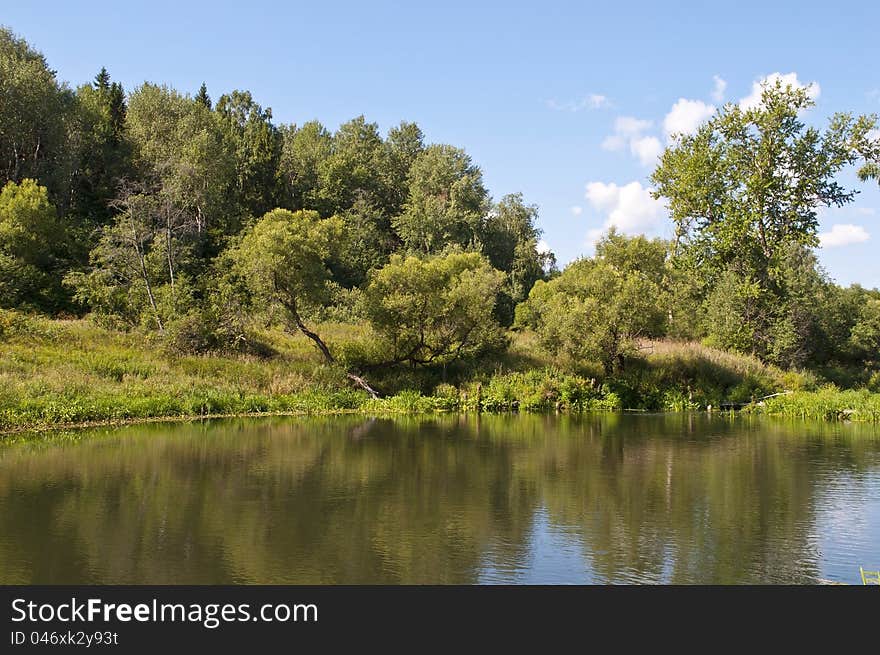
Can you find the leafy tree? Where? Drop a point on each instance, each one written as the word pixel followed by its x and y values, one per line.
pixel 353 168
pixel 509 239
pixel 256 144
pixel 865 336
pixel 404 144
pixel 104 155
pixel 136 276
pixel 303 151
pixel 30 235
pixel 364 245
pixel 35 113
pixel 749 183
pixel 597 309
pixel 181 152
pixel 446 204
pixel 283 260
pixel 434 310
pixel 744 193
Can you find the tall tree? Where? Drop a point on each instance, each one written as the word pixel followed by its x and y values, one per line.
pixel 303 151
pixel 509 238
pixel 283 260
pixel 35 116
pixel 750 182
pixel 202 96
pixel 743 192
pixel 256 143
pixel 446 204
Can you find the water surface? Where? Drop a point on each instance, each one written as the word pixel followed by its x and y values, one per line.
pixel 601 498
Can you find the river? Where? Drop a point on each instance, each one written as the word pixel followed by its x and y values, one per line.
pixel 598 498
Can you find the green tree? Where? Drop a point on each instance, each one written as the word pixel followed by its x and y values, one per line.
pixel 35 116
pixel 283 260
pixel 509 238
pixel 30 235
pixel 434 310
pixel 744 194
pixel 865 336
pixel 256 144
pixel 182 153
pixel 446 204
pixel 104 156
pixel 203 98
pixel 353 169
pixel 597 309
pixel 365 245
pixel 749 183
pixel 303 151
pixel 404 144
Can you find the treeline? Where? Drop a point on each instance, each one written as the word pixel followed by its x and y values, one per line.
pixel 120 203
pixel 199 220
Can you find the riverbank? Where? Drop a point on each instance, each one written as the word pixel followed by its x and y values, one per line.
pixel 65 373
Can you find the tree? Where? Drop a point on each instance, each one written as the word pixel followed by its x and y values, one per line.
pixel 352 171
pixel 509 238
pixel 137 274
pixel 203 98
pixel 365 245
pixel 744 193
pixel 35 112
pixel 404 144
pixel 446 204
pixel 597 309
pixel 303 151
pixel 283 260
pixel 749 183
pixel 30 235
pixel 104 156
pixel 434 310
pixel 865 336
pixel 182 152
pixel 256 144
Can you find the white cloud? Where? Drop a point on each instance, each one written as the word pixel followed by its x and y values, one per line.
pixel 614 142
pixel 843 234
pixel 647 149
pixel 686 116
pixel 592 101
pixel 719 88
pixel 628 131
pixel 577 210
pixel 630 208
pixel 788 80
pixel 629 127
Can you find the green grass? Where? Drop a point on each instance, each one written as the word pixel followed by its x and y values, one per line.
pixel 57 373
pixel 828 403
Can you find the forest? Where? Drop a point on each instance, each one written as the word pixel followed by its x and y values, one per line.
pixel 175 252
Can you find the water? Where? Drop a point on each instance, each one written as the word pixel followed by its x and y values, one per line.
pixel 602 498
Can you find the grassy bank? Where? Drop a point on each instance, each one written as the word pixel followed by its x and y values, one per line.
pixel 56 373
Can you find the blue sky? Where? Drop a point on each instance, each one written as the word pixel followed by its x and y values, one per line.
pixel 566 102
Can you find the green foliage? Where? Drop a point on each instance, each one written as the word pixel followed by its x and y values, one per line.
pixel 509 239
pixel 749 183
pixel 435 310
pixel 446 204
pixel 828 403
pixel 30 238
pixel 35 113
pixel 597 309
pixel 283 259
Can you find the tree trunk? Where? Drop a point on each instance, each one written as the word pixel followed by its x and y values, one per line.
pixel 328 357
